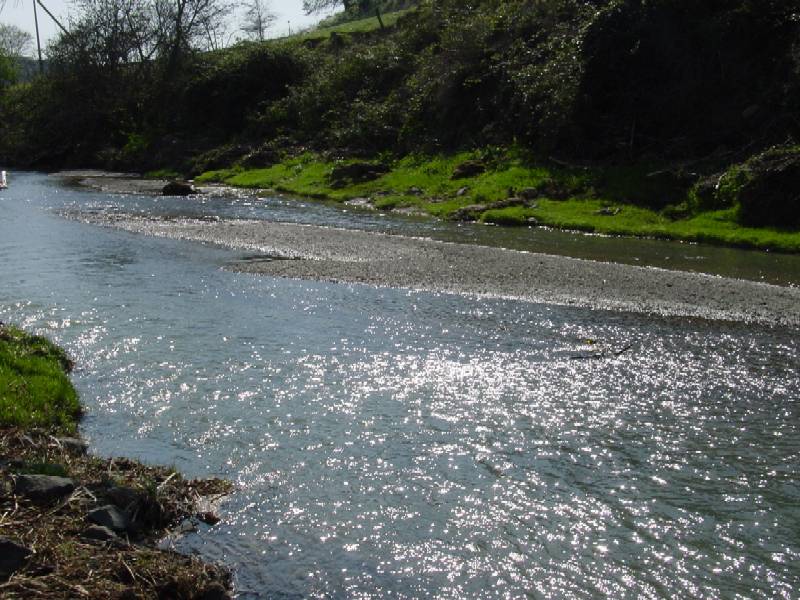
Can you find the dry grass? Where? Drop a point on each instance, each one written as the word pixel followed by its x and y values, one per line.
pixel 64 564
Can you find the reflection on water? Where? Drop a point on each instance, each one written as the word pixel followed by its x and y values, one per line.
pixel 393 443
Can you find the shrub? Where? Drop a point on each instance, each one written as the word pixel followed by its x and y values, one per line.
pixel 769 194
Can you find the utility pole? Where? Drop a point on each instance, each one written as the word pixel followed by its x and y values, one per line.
pixel 36 23
pixel 38 42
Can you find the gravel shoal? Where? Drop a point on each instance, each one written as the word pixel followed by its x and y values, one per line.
pixel 311 252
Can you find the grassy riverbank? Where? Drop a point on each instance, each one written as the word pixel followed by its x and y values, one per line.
pixel 510 189
pixel 61 554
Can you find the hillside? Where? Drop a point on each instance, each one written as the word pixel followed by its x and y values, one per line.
pixel 673 106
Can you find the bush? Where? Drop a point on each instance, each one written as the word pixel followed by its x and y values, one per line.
pixel 769 192
pixel 680 76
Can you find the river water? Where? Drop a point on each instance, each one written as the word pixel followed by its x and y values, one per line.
pixel 388 443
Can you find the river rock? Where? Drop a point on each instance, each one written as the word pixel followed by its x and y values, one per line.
pixel 360 203
pixel 12 557
pixel 213 591
pixel 73 445
pixel 608 211
pixel 470 168
pixel 109 516
pixel 471 212
pixel 462 192
pixel 507 202
pixel 43 488
pixel 100 533
pixel 178 188
pixel 125 498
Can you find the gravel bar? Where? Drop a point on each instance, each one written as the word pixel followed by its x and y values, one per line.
pixel 353 256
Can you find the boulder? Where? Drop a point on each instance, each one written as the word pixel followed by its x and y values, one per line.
pixel 73 445
pixel 358 172
pixel 109 516
pixel 43 488
pixel 471 212
pixel 178 188
pixel 12 557
pixel 127 499
pixel 470 168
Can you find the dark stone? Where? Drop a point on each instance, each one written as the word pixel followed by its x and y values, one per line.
pixel 100 533
pixel 529 193
pixel 178 188
pixel 551 189
pixel 470 212
pixel 470 168
pixel 12 557
pixel 109 516
pixel 609 211
pixel 209 518
pixel 414 191
pixel 513 201
pixel 73 445
pixel 261 157
pixel 358 172
pixel 213 591
pixel 128 499
pixel 43 488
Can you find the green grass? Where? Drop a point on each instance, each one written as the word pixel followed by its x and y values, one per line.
pixel 359 26
pixel 424 182
pixel 34 388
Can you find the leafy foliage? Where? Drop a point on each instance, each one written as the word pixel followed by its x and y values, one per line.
pixel 621 81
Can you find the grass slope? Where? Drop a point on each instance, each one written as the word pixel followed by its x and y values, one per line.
pixel 34 388
pixel 358 26
pixel 424 184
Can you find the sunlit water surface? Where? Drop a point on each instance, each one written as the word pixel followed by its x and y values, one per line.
pixel 387 443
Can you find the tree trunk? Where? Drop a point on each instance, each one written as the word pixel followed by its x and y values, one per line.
pixel 378 14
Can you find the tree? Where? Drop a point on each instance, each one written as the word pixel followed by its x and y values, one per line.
pixel 258 19
pixel 183 25
pixel 14 41
pixel 360 7
pixel 108 34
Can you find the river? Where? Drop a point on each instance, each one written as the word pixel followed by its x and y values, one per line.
pixel 393 443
